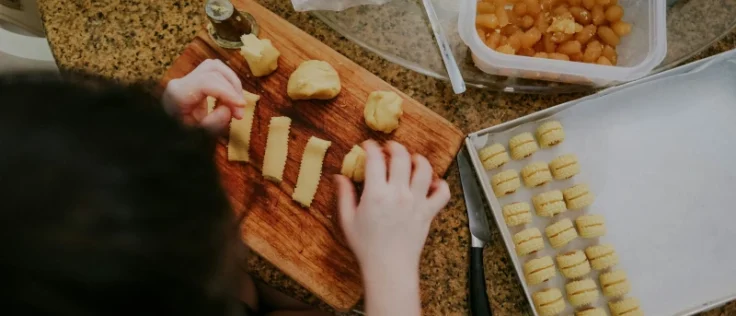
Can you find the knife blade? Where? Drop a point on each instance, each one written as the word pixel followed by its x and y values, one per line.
pixel 480 233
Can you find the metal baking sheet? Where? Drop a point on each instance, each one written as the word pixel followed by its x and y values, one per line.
pixel 659 155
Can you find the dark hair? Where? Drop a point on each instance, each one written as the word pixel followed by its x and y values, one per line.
pixel 107 205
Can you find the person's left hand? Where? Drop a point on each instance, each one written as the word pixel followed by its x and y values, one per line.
pixel 184 97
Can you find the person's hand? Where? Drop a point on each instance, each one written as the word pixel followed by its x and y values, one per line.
pixel 399 201
pixel 184 97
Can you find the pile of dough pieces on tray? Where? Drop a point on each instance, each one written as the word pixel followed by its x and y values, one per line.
pixel 313 79
pixel 575 265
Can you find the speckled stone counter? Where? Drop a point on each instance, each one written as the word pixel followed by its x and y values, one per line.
pixel 136 40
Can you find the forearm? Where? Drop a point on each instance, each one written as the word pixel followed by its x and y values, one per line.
pixel 391 289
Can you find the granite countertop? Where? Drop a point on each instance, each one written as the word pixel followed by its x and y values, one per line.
pixel 137 40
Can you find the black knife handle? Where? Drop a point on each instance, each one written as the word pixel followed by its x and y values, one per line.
pixel 479 304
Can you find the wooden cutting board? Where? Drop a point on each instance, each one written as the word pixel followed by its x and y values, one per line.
pixel 307 243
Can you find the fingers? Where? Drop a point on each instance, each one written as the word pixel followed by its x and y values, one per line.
pixel 216 85
pixel 439 195
pixel 375 165
pixel 421 179
pixel 400 170
pixel 218 120
pixel 220 67
pixel 346 200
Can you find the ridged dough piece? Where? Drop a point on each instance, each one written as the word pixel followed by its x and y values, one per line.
pixel 539 270
pixel 211 103
pixel 313 79
pixel 353 165
pixel 505 182
pixel 591 226
pixel 564 167
pixel 573 264
pixel 615 284
pixel 528 241
pixel 517 213
pixel 591 311
pixel 239 142
pixel 578 196
pixel 493 156
pixel 277 147
pixel 550 134
pixel 536 174
pixel 582 292
pixel 310 171
pixel 561 233
pixel 626 307
pixel 549 302
pixel 522 146
pixel 549 203
pixel 601 256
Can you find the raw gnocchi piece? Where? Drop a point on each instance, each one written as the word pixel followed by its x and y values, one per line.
pixel 239 142
pixel 550 134
pixel 564 167
pixel 582 292
pixel 505 182
pixel 517 213
pixel 626 307
pixel 528 241
pixel 591 311
pixel 573 264
pixel 549 203
pixel 539 270
pixel 536 174
pixel 591 226
pixel 561 233
pixel 601 256
pixel 615 284
pixel 522 146
pixel 493 156
pixel 549 302
pixel 578 196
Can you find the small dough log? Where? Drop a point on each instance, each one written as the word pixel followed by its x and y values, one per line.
pixel 591 311
pixel 493 156
pixel 277 147
pixel 383 110
pixel 615 284
pixel 561 233
pixel 239 143
pixel 601 256
pixel 550 134
pixel 549 302
pixel 626 307
pixel 573 264
pixel 261 56
pixel 353 165
pixel 505 182
pixel 517 213
pixel 583 292
pixel 522 146
pixel 310 171
pixel 591 226
pixel 536 174
pixel 564 167
pixel 539 270
pixel 578 196
pixel 549 203
pixel 313 79
pixel 528 241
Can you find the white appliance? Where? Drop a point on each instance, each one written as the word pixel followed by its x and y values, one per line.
pixel 23 45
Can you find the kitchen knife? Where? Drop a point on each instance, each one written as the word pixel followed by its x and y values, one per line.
pixel 480 234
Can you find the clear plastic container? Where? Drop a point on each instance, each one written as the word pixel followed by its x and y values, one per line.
pixel 638 53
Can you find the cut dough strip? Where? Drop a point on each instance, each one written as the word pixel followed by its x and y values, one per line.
pixel 239 143
pixel 310 171
pixel 211 102
pixel 277 147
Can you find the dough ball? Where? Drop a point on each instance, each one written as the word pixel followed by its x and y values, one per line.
pixel 353 165
pixel 313 79
pixel 383 110
pixel 261 56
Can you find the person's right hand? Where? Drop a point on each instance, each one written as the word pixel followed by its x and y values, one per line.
pixel 391 222
pixel 184 97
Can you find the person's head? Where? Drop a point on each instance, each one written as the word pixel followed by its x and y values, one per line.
pixel 107 205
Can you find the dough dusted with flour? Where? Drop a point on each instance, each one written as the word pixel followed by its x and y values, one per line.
pixel 261 56
pixel 314 79
pixel 383 110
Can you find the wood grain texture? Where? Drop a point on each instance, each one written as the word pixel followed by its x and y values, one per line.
pixel 307 243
